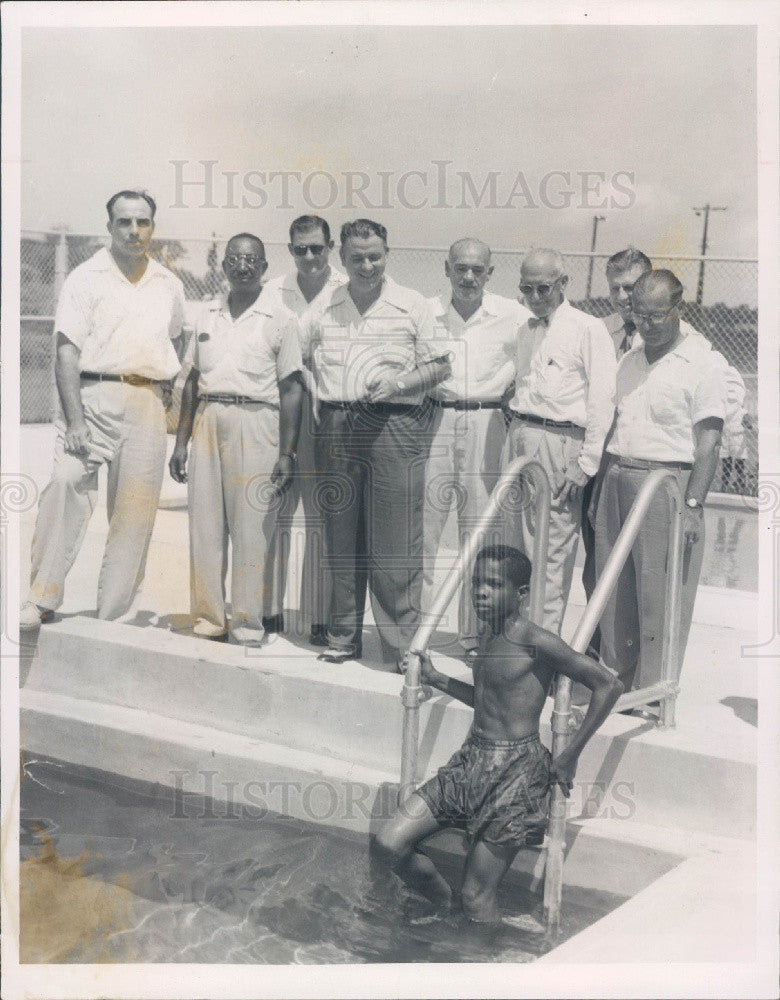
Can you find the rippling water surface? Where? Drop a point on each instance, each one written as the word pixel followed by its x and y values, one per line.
pixel 111 873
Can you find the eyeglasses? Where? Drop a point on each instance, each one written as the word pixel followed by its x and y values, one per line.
pixel 541 290
pixel 654 317
pixel 252 259
pixel 315 248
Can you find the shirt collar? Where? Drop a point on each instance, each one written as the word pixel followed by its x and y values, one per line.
pixel 220 304
pixel 290 280
pixel 687 349
pixel 487 306
pixel 103 261
pixel 395 295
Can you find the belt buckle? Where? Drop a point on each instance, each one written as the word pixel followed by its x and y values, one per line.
pixel 135 380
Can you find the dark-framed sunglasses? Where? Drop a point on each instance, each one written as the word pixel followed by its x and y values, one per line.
pixel 315 249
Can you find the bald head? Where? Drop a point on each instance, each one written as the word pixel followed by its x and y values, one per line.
pixel 548 260
pixel 654 282
pixel 469 245
pixel 468 267
pixel 543 279
pixel 655 307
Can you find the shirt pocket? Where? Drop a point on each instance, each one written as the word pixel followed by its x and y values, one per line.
pixel 550 376
pixel 255 356
pixel 330 355
pixel 667 404
pixel 207 353
pixel 485 360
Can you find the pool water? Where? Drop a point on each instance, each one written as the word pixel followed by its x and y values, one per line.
pixel 111 871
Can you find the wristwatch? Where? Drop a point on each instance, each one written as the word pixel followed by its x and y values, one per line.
pixel 400 385
pixel 289 454
pixel 693 504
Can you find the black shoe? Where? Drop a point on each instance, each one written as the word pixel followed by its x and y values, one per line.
pixel 318 635
pixel 337 654
pixel 274 623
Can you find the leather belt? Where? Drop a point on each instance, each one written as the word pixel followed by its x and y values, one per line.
pixel 466 404
pixel 226 397
pixel 530 418
pixel 362 406
pixel 643 463
pixel 127 379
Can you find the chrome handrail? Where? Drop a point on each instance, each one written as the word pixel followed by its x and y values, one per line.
pixel 665 691
pixel 413 694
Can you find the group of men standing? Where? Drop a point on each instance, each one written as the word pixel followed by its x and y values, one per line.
pixel 377 409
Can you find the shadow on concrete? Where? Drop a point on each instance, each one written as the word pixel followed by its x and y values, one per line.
pixel 28 647
pixel 744 708
pixel 606 773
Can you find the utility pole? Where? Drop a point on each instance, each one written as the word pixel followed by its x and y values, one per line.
pixel 705 211
pixel 596 220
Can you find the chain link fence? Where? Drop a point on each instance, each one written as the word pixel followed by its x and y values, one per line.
pixel 720 302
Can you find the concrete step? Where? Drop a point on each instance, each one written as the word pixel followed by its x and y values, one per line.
pixel 283 699
pixel 280 693
pixel 197 760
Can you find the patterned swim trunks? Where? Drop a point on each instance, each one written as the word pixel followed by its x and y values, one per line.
pixel 497 790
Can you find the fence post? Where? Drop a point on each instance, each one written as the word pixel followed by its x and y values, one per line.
pixel 60 265
pixel 60 274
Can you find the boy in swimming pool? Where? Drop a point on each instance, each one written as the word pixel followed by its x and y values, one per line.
pixel 497 785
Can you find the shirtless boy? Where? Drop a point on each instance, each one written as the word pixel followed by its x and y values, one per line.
pixel 497 785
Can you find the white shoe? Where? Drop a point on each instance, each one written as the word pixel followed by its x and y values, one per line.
pixel 205 629
pixel 31 616
pixel 245 635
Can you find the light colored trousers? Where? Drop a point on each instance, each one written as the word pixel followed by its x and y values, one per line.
pixel 307 554
pixel 556 449
pixel 463 466
pixel 234 449
pixel 633 623
pixel 127 424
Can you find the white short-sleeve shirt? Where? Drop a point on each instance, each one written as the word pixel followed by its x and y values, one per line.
pixel 481 349
pixel 122 327
pixel 346 350
pixel 247 356
pixel 658 404
pixel 289 291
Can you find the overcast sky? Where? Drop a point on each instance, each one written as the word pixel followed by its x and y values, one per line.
pixel 107 108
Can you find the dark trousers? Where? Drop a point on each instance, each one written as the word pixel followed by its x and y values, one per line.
pixel 373 475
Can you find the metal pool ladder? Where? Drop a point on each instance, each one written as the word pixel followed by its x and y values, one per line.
pixel 665 691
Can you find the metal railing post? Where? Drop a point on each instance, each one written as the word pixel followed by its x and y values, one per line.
pixel 665 690
pixel 413 693
pixel 671 650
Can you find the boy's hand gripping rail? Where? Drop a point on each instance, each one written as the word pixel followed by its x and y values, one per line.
pixel 413 693
pixel 665 691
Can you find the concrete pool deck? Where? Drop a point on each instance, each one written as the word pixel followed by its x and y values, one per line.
pixel 153 703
